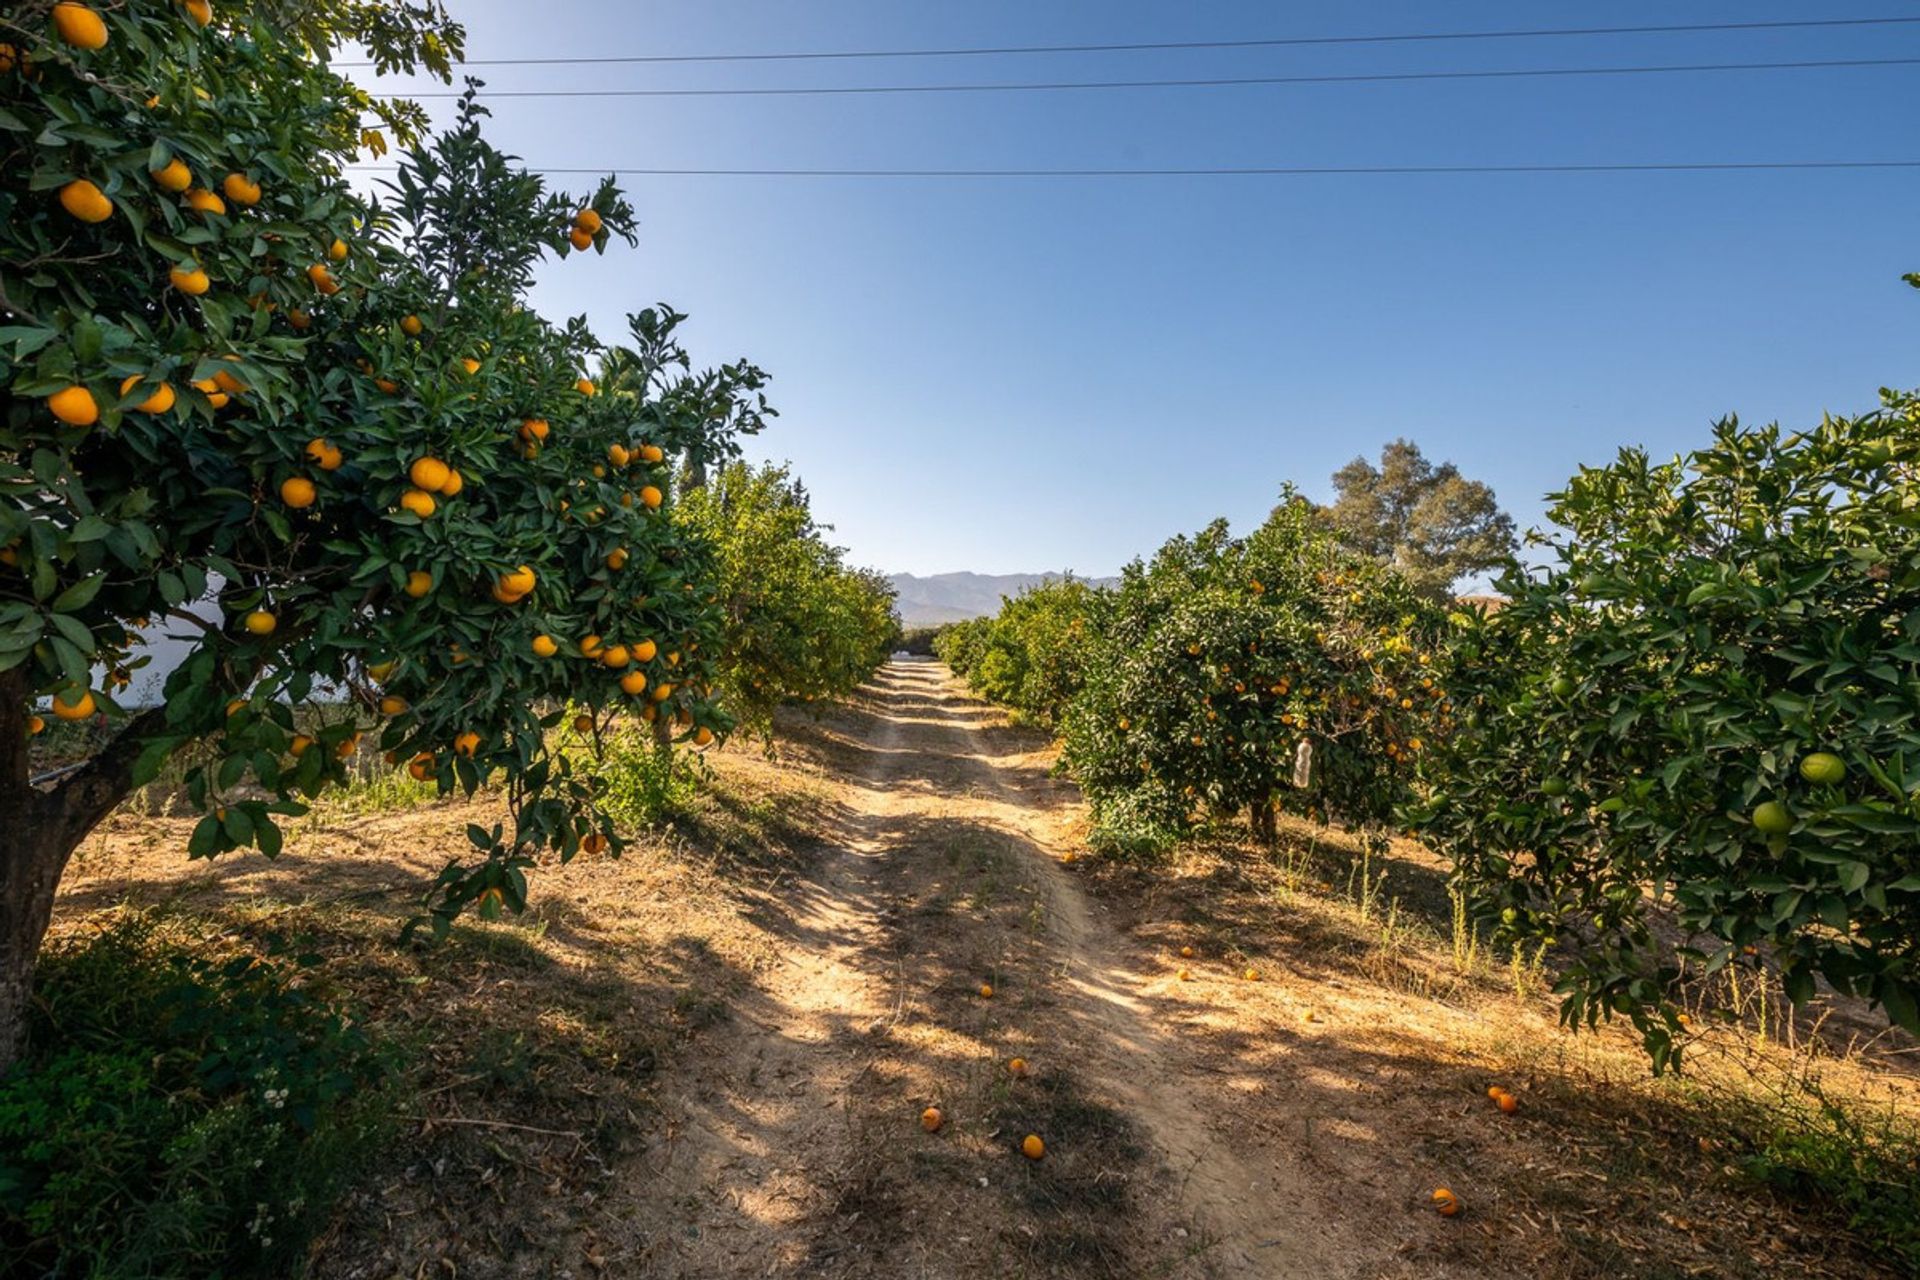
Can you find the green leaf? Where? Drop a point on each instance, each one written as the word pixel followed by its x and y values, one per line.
pixel 80 594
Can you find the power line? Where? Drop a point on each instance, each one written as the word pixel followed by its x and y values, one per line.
pixel 1286 171
pixel 1212 82
pixel 1279 42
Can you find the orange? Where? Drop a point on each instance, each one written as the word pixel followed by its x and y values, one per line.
pixel 10 58
pixel 1186 953
pixel 322 278
pixel 85 201
pixel 645 651
pixel 419 582
pixel 421 767
pixel 590 647
pixel 1445 1202
pixel 159 402
pixel 69 707
pixel 240 190
pixel 588 221
pixel 392 706
pixel 652 453
pixel 651 496
pixel 585 387
pixel 261 623
pixel 664 692
pixel 931 1119
pixel 617 558
pixel 235 707
pixel 617 656
pixel 544 646
pixel 1494 1092
pixel 1017 1066
pixel 471 365
pixel 580 239
pixel 298 318
pixel 387 386
pixel 1031 1147
pixel 594 843
pixel 298 492
pixel 35 724
pixel 337 250
pixel 1185 976
pixel 466 744
pixel 80 26
pixel 1251 975
pixel 174 177
pixel 227 382
pixel 703 736
pixel 199 10
pixel 618 455
pixel 192 282
pixel 583 724
pixel 299 745
pixel 324 455
pixel 1508 1103
pixel 74 406
pixel 411 326
pixel 428 473
pixel 202 201
pixel 418 502
pixel 986 991
pixel 534 429
pixel 634 683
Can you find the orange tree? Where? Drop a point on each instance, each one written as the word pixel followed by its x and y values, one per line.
pixel 323 437
pixel 1030 655
pixel 1218 659
pixel 800 623
pixel 1711 705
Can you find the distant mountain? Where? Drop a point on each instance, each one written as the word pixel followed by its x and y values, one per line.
pixel 955 597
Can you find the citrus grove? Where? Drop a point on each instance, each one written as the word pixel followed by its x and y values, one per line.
pixel 1688 744
pixel 322 437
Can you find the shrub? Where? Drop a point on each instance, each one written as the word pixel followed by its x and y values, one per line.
pixel 178 1115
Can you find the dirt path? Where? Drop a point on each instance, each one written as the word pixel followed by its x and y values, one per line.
pixel 799 1150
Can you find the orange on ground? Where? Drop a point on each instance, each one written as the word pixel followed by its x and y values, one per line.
pixel 986 991
pixel 1186 953
pixel 1031 1147
pixel 931 1119
pixel 1017 1066
pixel 1445 1202
pixel 1508 1103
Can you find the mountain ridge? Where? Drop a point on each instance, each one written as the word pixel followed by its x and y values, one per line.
pixel 931 600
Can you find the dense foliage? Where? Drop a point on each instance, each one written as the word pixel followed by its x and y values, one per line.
pixel 1030 656
pixel 799 623
pixel 1429 522
pixel 1714 696
pixel 178 1116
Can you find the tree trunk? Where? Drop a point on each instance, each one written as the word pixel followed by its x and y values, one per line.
pixel 1264 819
pixel 42 829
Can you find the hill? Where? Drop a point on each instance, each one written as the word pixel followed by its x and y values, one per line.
pixel 954 597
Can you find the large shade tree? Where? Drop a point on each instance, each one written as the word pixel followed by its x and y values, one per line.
pixel 1429 522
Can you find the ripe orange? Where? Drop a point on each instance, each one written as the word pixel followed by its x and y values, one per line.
pixel 392 706
pixel 651 453
pixel 590 647
pixel 387 386
pixel 35 724
pixel 159 402
pixel 703 737
pixel 298 492
pixel 664 692
pixel 67 706
pixel 1494 1091
pixel 241 191
pixel 192 282
pixel 299 745
pixel 1017 1066
pixel 1508 1103
pixel 634 683
pixel 298 318
pixel 588 221
pixel 544 646
pixel 201 200
pixel 986 991
pixel 645 651
pixel 1184 976
pixel 201 11
pixel 80 26
pixel 1186 953
pixel 585 387
pixel 617 558
pixel 1251 975
pixel 422 767
pixel 419 582
pixel 594 843
pixel 618 455
pixel 411 326
pixel 931 1119
pixel 428 473
pixel 466 744
pixel 651 497
pixel 616 656
pixel 518 583
pixel 85 201
pixel 469 364
pixel 583 724
pixel 174 176
pixel 534 429
pixel 580 239
pixel 418 502
pixel 261 623
pixel 337 250
pixel 323 279
pixel 1031 1147
pixel 324 455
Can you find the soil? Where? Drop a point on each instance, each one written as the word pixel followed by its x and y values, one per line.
pixel 710 1058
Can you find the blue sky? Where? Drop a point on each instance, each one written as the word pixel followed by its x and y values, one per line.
pixel 1025 374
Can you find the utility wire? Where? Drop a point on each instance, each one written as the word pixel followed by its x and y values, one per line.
pixel 1281 42
pixel 1286 171
pixel 1219 82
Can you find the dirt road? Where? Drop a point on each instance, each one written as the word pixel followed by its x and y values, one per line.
pixel 801 1151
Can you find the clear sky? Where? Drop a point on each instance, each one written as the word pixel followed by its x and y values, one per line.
pixel 1024 374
